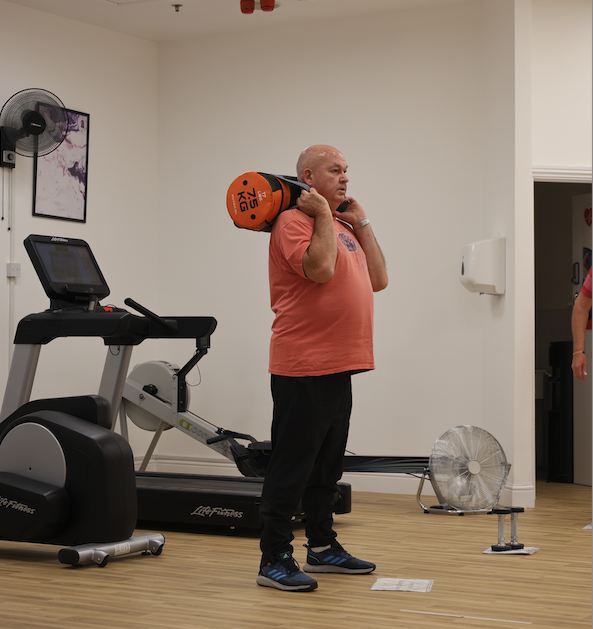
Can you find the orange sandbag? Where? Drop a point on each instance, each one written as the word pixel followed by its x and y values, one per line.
pixel 255 199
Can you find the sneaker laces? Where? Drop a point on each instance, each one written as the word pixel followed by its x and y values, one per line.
pixel 335 546
pixel 288 563
pixel 340 550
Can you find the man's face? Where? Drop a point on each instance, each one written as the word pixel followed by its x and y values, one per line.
pixel 328 177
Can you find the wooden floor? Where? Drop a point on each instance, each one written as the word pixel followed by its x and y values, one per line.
pixel 208 581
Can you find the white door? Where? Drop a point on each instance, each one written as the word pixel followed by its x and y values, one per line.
pixel 582 391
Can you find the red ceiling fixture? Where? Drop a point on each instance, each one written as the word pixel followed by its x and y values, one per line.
pixel 248 6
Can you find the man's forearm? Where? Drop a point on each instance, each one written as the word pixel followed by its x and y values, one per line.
pixel 580 317
pixel 319 260
pixel 374 256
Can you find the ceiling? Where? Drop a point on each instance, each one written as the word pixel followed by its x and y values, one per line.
pixel 159 21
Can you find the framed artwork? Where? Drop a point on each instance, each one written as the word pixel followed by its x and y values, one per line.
pixel 60 178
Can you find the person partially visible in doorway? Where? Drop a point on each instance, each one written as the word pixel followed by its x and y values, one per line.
pixel 580 322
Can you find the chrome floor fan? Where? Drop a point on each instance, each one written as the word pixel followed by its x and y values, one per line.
pixel 467 469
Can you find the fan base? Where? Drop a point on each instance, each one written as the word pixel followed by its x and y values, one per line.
pixel 442 509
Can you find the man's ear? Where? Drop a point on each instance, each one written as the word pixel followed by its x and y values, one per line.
pixel 308 176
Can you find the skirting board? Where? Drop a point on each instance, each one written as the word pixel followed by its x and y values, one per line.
pixel 404 484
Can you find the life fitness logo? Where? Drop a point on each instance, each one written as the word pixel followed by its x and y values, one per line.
pixel 588 216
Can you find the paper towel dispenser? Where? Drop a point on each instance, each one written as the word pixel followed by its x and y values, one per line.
pixel 483 268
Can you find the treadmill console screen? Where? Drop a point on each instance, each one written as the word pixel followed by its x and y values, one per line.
pixel 67 269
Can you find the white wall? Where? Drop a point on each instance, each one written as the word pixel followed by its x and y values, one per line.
pixel 432 108
pixel 114 79
pixel 561 80
pixel 398 96
pixel 423 104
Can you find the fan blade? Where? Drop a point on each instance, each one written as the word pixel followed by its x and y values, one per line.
pixel 451 477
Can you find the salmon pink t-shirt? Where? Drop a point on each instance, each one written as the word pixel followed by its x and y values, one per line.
pixel 319 328
pixel 586 289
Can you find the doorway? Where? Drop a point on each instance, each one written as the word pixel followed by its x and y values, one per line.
pixel 554 292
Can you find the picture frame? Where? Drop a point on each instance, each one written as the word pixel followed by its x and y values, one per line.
pixel 60 178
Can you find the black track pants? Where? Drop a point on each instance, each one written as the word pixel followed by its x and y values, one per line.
pixel 309 434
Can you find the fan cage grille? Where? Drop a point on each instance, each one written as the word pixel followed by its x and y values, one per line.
pixel 453 454
pixel 14 114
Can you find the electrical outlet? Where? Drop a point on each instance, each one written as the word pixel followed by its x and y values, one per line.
pixel 7 159
pixel 13 269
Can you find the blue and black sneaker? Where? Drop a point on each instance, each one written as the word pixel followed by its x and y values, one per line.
pixel 284 573
pixel 336 559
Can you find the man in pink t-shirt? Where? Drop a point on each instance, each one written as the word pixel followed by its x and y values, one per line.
pixel 324 266
pixel 580 323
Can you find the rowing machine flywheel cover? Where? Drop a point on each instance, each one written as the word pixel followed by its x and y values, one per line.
pixel 155 377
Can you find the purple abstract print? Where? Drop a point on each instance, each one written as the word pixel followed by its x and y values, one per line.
pixel 61 176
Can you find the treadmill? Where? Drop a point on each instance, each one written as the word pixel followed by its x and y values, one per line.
pixel 74 283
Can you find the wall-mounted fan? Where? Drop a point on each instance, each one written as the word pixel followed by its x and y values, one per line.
pixel 32 122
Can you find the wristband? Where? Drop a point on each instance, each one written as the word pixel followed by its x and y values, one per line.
pixel 365 221
pixel 575 353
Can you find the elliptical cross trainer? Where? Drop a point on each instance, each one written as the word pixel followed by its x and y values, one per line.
pixel 65 477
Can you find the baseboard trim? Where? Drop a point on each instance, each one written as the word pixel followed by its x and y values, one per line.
pixel 518 496
pixel 187 465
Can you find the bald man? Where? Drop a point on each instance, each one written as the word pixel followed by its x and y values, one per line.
pixel 324 266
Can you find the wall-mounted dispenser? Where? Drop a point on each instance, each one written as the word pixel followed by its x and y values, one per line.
pixel 483 266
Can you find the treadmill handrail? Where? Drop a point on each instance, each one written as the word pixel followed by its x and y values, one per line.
pixel 116 328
